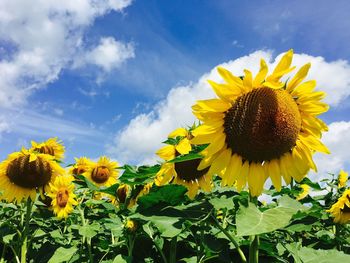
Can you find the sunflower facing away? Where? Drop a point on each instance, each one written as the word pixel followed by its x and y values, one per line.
pixel 341 209
pixel 52 147
pixel 342 179
pixel 261 127
pixel 81 165
pixel 103 173
pixel 62 195
pixel 305 191
pixel 183 173
pixel 25 172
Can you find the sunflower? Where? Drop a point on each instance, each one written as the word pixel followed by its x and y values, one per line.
pixel 305 191
pixel 261 127
pixel 81 165
pixel 62 195
pixel 185 172
pixel 25 172
pixel 168 152
pixel 102 173
pixel 341 209
pixel 342 179
pixel 52 147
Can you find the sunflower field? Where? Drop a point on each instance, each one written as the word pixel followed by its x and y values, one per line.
pixel 233 187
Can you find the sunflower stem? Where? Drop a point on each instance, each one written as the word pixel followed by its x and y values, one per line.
pixel 172 256
pixel 337 234
pixel 25 232
pixel 230 237
pixel 254 250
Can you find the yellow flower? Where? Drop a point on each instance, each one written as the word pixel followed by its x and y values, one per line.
pixel 130 225
pixel 261 127
pixel 52 147
pixel 26 172
pixel 81 165
pixel 169 152
pixel 144 191
pixel 305 191
pixel 62 195
pixel 341 209
pixel 103 173
pixel 342 179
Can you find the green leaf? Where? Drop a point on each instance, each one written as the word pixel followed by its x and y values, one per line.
pixel 63 254
pixel 222 202
pixel 89 231
pixel 251 221
pixel 119 259
pixel 187 157
pixel 88 183
pixel 110 190
pixel 133 175
pixel 164 224
pixel 165 195
pixel 8 238
pixel 299 228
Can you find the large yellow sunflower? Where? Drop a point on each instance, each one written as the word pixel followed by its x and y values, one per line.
pixel 184 173
pixel 62 195
pixel 52 147
pixel 341 209
pixel 103 173
pixel 261 127
pixel 25 172
pixel 81 165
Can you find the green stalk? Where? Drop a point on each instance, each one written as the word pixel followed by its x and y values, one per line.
pixel 160 251
pixel 254 250
pixel 25 232
pixel 234 242
pixel 172 257
pixel 88 240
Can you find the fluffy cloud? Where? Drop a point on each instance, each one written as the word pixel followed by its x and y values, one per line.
pixel 138 141
pixel 41 37
pixel 108 55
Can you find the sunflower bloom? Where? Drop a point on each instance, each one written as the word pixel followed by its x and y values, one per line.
pixel 341 209
pixel 52 147
pixel 23 173
pixel 305 191
pixel 62 195
pixel 183 173
pixel 81 165
pixel 103 173
pixel 342 179
pixel 260 127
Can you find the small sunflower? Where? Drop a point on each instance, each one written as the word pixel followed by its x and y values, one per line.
pixel 341 209
pixel 185 172
pixel 62 195
pixel 342 179
pixel 261 127
pixel 130 225
pixel 25 172
pixel 169 152
pixel 81 165
pixel 52 147
pixel 305 191
pixel 103 173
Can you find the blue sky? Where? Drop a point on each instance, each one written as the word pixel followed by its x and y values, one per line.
pixel 89 73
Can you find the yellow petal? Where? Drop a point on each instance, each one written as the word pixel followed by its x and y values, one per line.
pixel 299 77
pixel 215 105
pixel 243 176
pixel 260 77
pixel 284 63
pixel 167 152
pixel 274 173
pixel 207 161
pixel 215 146
pixel 184 146
pixel 230 78
pixel 248 80
pixel 178 132
pixel 223 91
pixel 256 179
pixel 220 163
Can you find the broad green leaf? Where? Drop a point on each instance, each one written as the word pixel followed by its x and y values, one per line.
pixel 165 195
pixel 187 157
pixel 88 183
pixel 110 190
pixel 251 221
pixel 164 224
pixel 89 231
pixel 222 202
pixel 299 228
pixel 119 259
pixel 63 254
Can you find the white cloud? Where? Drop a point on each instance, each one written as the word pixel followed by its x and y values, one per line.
pixel 139 140
pixel 109 54
pixel 46 35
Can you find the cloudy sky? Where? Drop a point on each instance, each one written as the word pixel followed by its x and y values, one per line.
pixel 116 76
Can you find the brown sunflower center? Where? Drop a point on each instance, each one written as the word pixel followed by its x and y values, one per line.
pixel 29 174
pixel 262 124
pixel 62 197
pixel 46 150
pixel 122 193
pixel 79 170
pixel 187 170
pixel 100 174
